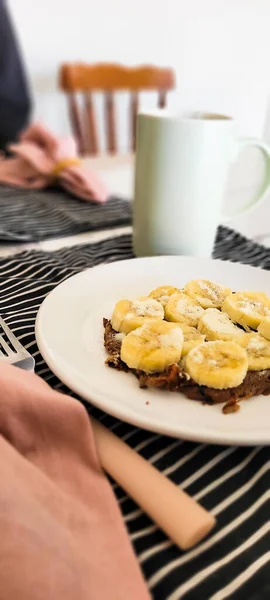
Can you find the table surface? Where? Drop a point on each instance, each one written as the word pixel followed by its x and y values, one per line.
pixel 118 174
pixel 231 482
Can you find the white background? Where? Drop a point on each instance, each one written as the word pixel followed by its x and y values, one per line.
pixel 220 50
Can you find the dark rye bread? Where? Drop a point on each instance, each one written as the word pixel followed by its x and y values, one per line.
pixel 176 380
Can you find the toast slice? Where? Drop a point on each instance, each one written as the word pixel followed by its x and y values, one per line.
pixel 174 379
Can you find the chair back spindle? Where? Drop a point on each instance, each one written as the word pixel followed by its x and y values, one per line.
pixel 108 78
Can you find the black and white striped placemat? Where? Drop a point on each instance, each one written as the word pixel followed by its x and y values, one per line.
pixel 231 482
pixel 34 215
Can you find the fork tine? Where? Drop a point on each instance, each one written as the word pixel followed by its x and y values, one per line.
pixel 16 344
pixel 4 345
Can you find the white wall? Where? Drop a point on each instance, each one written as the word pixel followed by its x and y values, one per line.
pixel 220 50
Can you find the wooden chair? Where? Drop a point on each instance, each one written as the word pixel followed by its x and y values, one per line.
pixel 86 79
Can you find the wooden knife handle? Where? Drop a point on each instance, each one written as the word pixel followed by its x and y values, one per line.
pixel 180 517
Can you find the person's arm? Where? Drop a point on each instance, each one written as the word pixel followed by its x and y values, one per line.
pixel 15 104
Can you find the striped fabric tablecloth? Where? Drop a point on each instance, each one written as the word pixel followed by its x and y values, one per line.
pixel 231 482
pixel 37 215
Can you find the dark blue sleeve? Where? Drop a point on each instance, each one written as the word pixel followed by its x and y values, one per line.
pixel 15 104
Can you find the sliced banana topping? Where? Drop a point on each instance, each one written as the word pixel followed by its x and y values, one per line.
pixel 217 325
pixel 192 338
pixel 162 294
pixel 218 364
pixel 207 293
pixel 247 308
pixel 264 328
pixel 153 347
pixel 182 309
pixel 151 344
pixel 258 351
pixel 130 314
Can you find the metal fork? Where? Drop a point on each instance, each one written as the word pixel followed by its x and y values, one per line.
pixel 15 354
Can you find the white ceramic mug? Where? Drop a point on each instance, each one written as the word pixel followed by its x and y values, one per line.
pixel 180 175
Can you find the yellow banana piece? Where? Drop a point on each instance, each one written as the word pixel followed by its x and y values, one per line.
pixel 264 328
pixel 247 308
pixel 217 325
pixel 130 314
pixel 258 351
pixel 180 308
pixel 153 347
pixel 218 364
pixel 162 293
pixel 207 293
pixel 192 338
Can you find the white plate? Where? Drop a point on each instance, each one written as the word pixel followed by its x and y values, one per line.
pixel 70 337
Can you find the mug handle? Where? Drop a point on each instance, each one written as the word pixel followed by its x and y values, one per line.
pixel 261 194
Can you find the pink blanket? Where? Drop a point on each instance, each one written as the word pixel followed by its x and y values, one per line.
pixel 40 159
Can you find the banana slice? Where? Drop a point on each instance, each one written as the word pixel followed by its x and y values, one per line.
pixel 218 364
pixel 247 308
pixel 192 338
pixel 207 293
pixel 264 328
pixel 153 347
pixel 258 351
pixel 182 309
pixel 216 325
pixel 130 314
pixel 162 294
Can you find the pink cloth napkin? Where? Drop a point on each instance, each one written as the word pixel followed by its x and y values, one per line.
pixel 39 158
pixel 62 534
